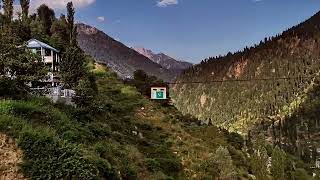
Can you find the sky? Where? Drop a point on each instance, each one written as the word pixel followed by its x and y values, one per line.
pixel 190 30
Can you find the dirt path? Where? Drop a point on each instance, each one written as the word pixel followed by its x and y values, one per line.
pixel 10 157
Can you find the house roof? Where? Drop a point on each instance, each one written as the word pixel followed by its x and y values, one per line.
pixel 34 43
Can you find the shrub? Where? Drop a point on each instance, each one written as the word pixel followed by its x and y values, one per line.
pixel 301 174
pixel 170 166
pixel 152 164
pixel 47 157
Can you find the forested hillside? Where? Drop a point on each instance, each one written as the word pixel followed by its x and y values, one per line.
pixel 271 86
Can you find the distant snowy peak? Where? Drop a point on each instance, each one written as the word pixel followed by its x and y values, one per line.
pixel 164 60
pixel 146 52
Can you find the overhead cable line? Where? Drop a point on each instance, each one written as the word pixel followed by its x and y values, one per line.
pixel 235 80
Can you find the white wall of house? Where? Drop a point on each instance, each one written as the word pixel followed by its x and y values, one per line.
pixel 50 57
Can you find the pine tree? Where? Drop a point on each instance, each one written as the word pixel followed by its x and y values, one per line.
pixel 8 10
pixel 85 92
pixel 46 17
pixel 25 5
pixel 60 33
pixel 72 27
pixel 278 160
pixel 72 67
pixel 259 164
pixel 260 159
pixel 223 161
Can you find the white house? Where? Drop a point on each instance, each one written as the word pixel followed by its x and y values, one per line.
pixel 50 56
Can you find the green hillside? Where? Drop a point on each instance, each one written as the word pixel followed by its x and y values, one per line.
pixel 112 130
pixel 124 136
pixel 261 89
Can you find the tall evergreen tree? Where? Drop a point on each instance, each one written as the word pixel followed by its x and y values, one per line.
pixel 46 17
pixel 73 63
pixel 259 159
pixel 220 165
pixel 278 160
pixel 72 67
pixel 8 10
pixel 223 161
pixel 25 5
pixel 259 164
pixel 60 33
pixel 72 27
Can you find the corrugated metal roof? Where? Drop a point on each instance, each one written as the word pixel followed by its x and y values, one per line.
pixel 34 43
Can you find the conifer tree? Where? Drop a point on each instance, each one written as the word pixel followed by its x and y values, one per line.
pixel 8 10
pixel 86 92
pixel 71 25
pixel 25 5
pixel 259 159
pixel 46 17
pixel 60 33
pixel 72 67
pixel 278 160
pixel 220 165
pixel 259 164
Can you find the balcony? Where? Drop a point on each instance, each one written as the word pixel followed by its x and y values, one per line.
pixel 48 59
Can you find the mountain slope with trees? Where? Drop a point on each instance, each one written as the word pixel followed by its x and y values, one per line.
pixel 271 86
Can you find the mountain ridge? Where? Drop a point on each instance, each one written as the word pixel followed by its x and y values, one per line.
pixel 165 60
pixel 122 59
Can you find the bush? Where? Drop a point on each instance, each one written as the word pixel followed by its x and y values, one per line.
pixel 170 166
pixel 47 157
pixel 152 164
pixel 301 174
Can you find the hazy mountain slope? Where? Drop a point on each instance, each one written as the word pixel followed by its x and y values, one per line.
pixel 116 55
pixel 240 105
pixel 164 60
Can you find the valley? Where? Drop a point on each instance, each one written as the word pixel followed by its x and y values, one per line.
pixel 77 104
pixel 270 88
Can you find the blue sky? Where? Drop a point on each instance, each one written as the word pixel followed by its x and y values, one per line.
pixel 193 29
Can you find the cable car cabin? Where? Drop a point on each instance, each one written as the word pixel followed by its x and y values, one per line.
pixel 160 93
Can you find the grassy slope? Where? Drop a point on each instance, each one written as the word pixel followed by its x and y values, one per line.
pixel 129 137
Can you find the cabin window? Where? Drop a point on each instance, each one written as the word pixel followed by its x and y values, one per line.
pixel 37 51
pixel 47 52
pixel 34 51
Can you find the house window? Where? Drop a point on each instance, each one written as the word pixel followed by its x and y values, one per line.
pixel 37 51
pixel 47 52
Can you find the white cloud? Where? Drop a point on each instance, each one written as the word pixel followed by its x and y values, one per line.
pixel 165 3
pixel 60 4
pixel 101 18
